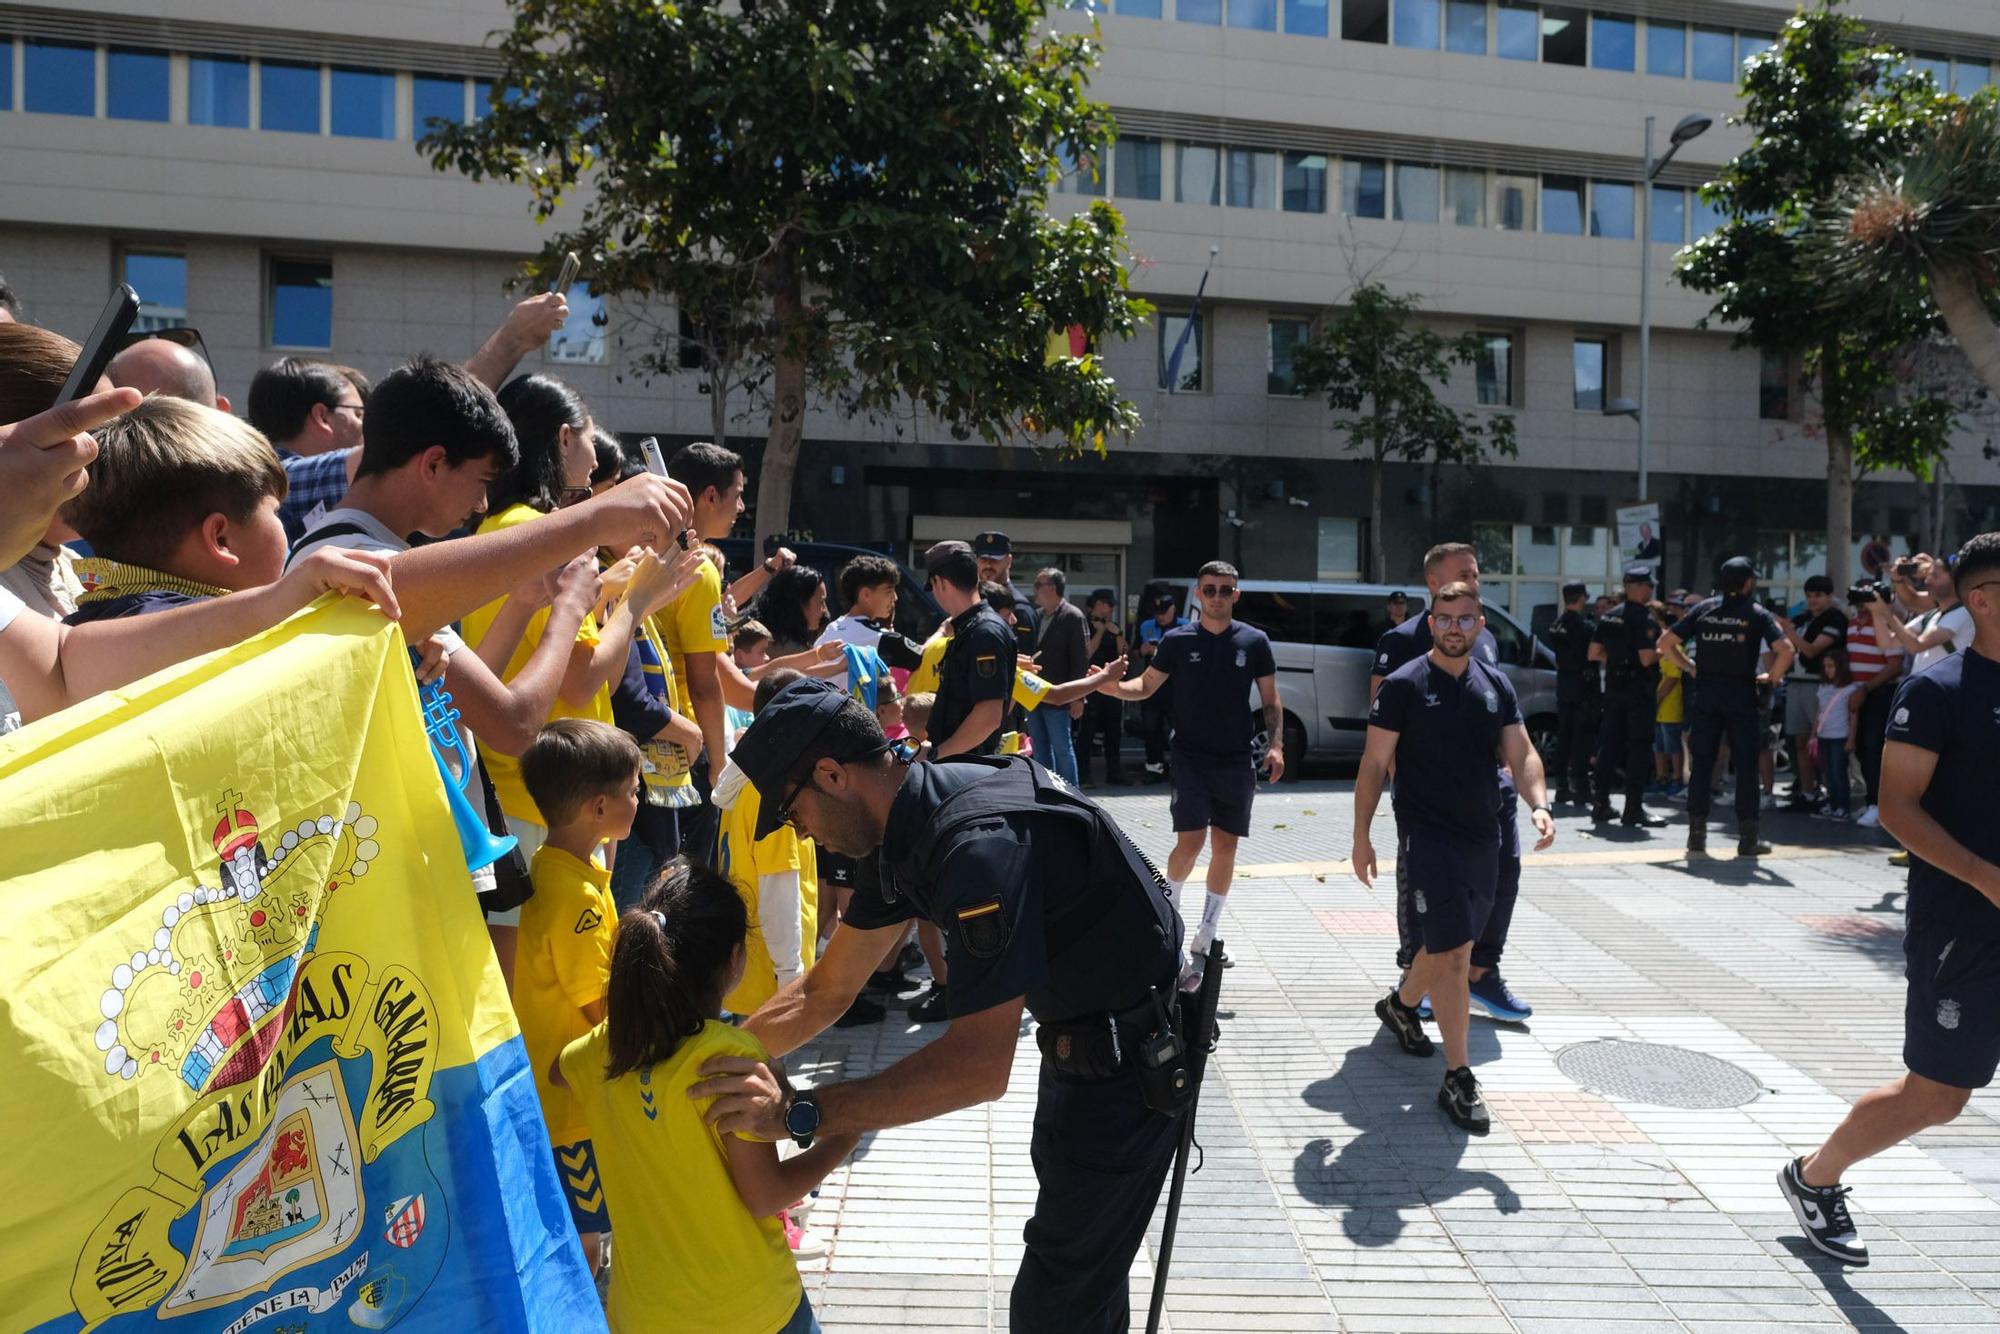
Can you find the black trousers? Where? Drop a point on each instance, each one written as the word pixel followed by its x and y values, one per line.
pixel 1625 741
pixel 1577 721
pixel 1724 709
pixel 1101 1156
pixel 1103 717
pixel 1868 741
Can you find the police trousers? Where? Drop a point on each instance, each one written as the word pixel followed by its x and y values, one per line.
pixel 1724 709
pixel 1100 1155
pixel 1625 741
pixel 1577 719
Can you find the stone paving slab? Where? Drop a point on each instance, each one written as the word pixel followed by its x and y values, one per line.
pixel 1334 1195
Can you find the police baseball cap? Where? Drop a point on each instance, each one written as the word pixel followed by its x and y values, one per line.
pixel 992 544
pixel 784 730
pixel 1398 598
pixel 1639 574
pixel 1737 571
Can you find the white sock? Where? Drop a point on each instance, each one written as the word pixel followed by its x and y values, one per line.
pixel 1211 917
pixel 1174 888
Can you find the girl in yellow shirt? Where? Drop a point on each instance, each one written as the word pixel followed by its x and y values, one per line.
pixel 699 1244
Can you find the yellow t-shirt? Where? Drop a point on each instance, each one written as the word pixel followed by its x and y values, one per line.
pixel 505 770
pixel 694 623
pixel 690 1255
pixel 744 861
pixel 562 962
pixel 1673 709
pixel 1028 688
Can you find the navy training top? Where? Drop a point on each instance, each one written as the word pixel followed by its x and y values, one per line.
pixel 1212 676
pixel 1447 745
pixel 1952 709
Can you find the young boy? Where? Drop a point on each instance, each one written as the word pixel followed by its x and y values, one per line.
pixel 917 715
pixel 868 586
pixel 749 648
pixel 584 777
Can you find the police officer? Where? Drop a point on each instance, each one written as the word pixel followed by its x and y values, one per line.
pixel 1045 904
pixel 1626 642
pixel 995 553
pixel 1579 699
pixel 976 678
pixel 1728 634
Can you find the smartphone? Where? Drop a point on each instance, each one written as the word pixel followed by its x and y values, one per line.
pixel 656 462
pixel 102 345
pixel 770 547
pixel 570 265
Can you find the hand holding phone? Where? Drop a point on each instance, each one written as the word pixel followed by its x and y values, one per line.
pixel 567 274
pixel 113 323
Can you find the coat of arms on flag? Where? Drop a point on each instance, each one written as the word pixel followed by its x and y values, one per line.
pixel 406 1221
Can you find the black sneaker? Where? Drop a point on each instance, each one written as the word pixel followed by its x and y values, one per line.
pixel 862 1012
pixel 1642 819
pixel 1822 1212
pixel 1461 1101
pixel 890 981
pixel 930 1010
pixel 911 958
pixel 1402 1021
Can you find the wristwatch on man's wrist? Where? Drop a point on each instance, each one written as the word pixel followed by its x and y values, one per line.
pixel 770 565
pixel 802 1117
pixel 1549 811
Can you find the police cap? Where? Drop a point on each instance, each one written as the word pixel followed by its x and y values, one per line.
pixel 785 730
pixel 992 544
pixel 1736 572
pixel 1639 574
pixel 953 563
pixel 1571 592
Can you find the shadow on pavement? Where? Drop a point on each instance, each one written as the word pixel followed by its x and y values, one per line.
pixel 1406 1155
pixel 1740 872
pixel 1832 1274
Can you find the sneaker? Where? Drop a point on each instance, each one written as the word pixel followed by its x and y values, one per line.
pixel 1870 818
pixel 1402 1021
pixel 1833 816
pixel 1461 1101
pixel 805 1244
pixel 861 1013
pixel 890 981
pixel 1656 788
pixel 931 1009
pixel 1677 791
pixel 1900 858
pixel 1490 994
pixel 1822 1212
pixel 1642 819
pixel 1196 970
pixel 911 958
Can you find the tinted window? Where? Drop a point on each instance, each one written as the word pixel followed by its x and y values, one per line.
pixel 1669 214
pixel 1562 205
pixel 1611 209
pixel 1135 168
pixel 1140 9
pixel 161 280
pixel 1417 23
pixel 1307 18
pixel 1348 620
pixel 135 85
pixel 1285 617
pixel 1714 55
pixel 435 99
pixel 1198 11
pixel 301 302
pixel 1364 20
pixel 1520 30
pixel 7 75
pixel 290 96
pixel 1465 27
pixel 219 91
pixel 364 104
pixel 61 78
pixel 1305 183
pixel 1612 41
pixel 1259 14
pixel 1666 49
pixel 1364 187
pixel 1513 645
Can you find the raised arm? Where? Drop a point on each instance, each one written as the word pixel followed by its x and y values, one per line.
pixel 528 326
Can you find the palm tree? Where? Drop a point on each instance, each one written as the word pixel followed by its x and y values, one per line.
pixel 1929 221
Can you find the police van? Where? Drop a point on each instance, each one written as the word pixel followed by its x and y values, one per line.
pixel 1323 637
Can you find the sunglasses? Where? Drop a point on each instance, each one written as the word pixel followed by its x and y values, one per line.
pixel 785 813
pixel 1444 622
pixel 1218 590
pixel 179 336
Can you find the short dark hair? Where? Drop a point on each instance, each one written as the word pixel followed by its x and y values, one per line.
pixel 1444 551
pixel 1571 592
pixel 1980 555
pixel 997 596
pixel 611 460
pixel 867 572
pixel 748 631
pixel 953 562
pixel 670 964
pixel 1819 583
pixel 1055 577
pixel 772 683
pixel 539 406
pixel 431 402
pixel 1456 592
pixel 284 393
pixel 702 464
pixel 1104 595
pixel 1220 568
pixel 574 760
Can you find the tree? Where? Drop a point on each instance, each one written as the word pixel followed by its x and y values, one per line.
pixel 1823 105
pixel 1371 355
pixel 849 195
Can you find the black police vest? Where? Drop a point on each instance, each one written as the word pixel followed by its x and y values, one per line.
pixel 1132 912
pixel 1727 641
pixel 1622 667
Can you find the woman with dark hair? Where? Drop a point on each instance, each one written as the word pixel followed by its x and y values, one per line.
pixel 792 606
pixel 558 452
pixel 611 466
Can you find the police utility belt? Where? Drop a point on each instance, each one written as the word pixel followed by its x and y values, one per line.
pixel 1143 1042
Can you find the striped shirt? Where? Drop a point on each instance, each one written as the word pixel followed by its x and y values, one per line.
pixel 1865 656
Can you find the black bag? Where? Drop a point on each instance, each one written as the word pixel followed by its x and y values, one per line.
pixel 512 886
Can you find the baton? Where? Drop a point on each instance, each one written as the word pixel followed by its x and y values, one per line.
pixel 1199 1037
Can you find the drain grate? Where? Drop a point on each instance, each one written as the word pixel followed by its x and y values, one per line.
pixel 1663 1076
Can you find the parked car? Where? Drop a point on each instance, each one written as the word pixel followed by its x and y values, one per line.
pixel 1323 637
pixel 917 612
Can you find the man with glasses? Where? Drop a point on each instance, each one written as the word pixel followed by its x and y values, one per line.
pixel 311 413
pixel 170 362
pixel 1213 664
pixel 1940 766
pixel 1045 905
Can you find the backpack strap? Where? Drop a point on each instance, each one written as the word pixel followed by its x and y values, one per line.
pixel 324 533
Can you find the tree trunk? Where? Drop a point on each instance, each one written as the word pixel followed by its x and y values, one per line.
pixel 1377 548
pixel 1839 506
pixel 718 402
pixel 788 405
pixel 1959 301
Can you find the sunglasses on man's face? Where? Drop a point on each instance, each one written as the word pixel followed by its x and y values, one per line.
pixel 179 336
pixel 1218 590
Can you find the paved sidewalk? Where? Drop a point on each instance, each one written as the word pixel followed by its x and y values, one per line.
pixel 1334 1195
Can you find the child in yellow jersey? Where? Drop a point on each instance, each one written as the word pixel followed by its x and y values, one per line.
pixel 585 777
pixel 700 1247
pixel 777 878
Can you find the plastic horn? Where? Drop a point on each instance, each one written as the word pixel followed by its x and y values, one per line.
pixel 482 847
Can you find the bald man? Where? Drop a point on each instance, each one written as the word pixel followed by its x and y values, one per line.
pixel 156 366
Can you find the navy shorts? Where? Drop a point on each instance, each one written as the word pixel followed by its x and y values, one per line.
pixel 1444 888
pixel 1951 1021
pixel 1212 794
pixel 583 1189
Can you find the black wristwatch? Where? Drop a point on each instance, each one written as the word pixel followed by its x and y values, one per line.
pixel 802 1117
pixel 1549 811
pixel 770 565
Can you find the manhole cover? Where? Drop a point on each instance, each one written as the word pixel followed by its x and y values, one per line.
pixel 1663 1076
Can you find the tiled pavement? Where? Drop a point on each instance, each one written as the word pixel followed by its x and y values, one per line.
pixel 1335 1196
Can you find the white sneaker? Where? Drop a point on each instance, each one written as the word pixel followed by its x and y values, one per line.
pixel 1869 818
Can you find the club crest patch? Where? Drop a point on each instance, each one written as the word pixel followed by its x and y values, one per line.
pixel 1947 1014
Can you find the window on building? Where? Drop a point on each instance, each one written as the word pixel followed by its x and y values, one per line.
pixel 1587 361
pixel 1080 172
pixel 289 96
pixel 1518 30
pixel 1180 354
pixel 1199 11
pixel 160 277
pixel 219 91
pixel 1775 379
pixel 1714 55
pixel 1135 168
pixel 482 98
pixel 135 84
pixel 1750 44
pixel 6 74
pixel 1285 335
pixel 1969 76
pixel 1565 35
pixel 59 78
pixel 364 103
pixel 1526 565
pixel 1364 187
pixel 1513 206
pixel 1465 196
pixel 1364 20
pixel 1703 218
pixel 1305 18
pixel 1562 205
pixel 1197 179
pixel 1139 9
pixel 1669 221
pixel 692 348
pixel 1340 553
pixel 1493 372
pixel 581 339
pixel 1253 179
pixel 1416 192
pixel 1417 23
pixel 1305 183
pixel 1611 210
pixel 300 297
pixel 1666 49
pixel 1261 15
pixel 1613 41
pixel 1465 27
pixel 435 98
pixel 1937 67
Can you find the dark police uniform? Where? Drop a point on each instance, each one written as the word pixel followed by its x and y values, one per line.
pixel 1579 701
pixel 977 666
pixel 1951 1020
pixel 1401 645
pixel 1040 895
pixel 1211 676
pixel 1447 794
pixel 1625 736
pixel 1726 635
